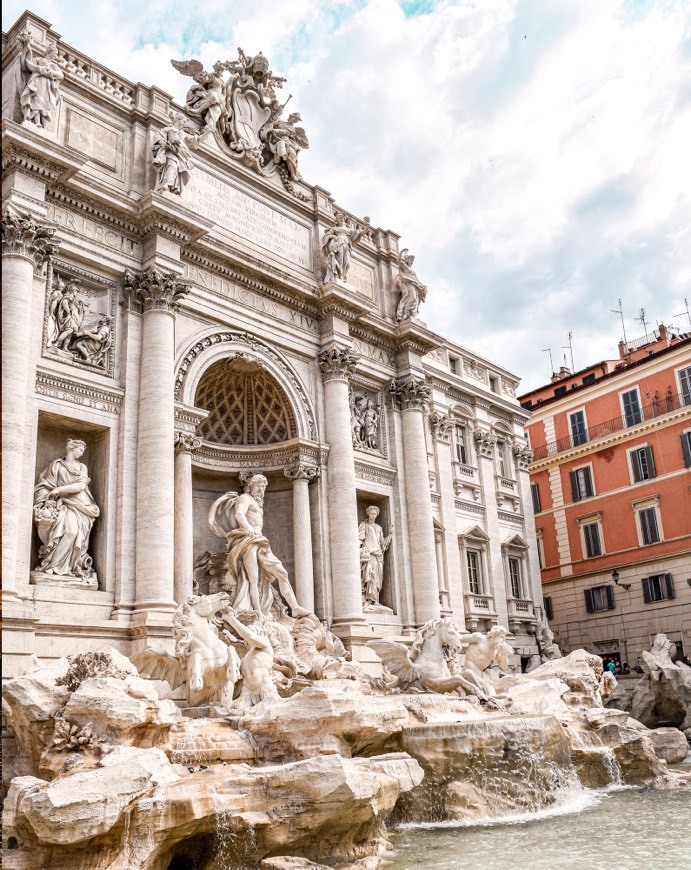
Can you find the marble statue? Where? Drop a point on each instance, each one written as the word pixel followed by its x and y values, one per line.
pixel 549 649
pixel 172 156
pixel 412 290
pixel 364 421
pixel 256 666
pixel 337 246
pixel 321 654
pixel 203 662
pixel 69 316
pixel 66 332
pixel 91 344
pixel 206 98
pixel 285 141
pixel 373 545
pixel 429 665
pixel 245 110
pixel 64 512
pixel 254 568
pixel 41 95
pixel 482 650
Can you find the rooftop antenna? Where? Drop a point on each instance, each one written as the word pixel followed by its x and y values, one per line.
pixel 620 312
pixel 685 313
pixel 641 319
pixel 551 364
pixel 569 347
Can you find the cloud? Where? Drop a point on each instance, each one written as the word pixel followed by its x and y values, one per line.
pixel 533 155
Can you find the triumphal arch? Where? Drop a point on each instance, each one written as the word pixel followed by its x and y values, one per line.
pixel 186 321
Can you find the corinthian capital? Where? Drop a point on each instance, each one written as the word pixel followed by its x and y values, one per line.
pixel 441 427
pixel 409 394
pixel 154 290
pixel 337 364
pixel 24 237
pixel 485 442
pixel 301 471
pixel 186 443
pixel 523 456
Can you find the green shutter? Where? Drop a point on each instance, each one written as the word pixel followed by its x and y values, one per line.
pixel 589 604
pixel 670 586
pixel 651 461
pixel 647 596
pixel 686 448
pixel 610 597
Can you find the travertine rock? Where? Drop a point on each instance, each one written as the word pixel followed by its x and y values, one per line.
pixel 670 744
pixel 76 808
pixel 663 695
pixel 290 862
pixel 331 716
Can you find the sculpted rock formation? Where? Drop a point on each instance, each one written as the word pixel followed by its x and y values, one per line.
pixel 663 694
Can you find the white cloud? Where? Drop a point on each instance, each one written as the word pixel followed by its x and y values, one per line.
pixel 533 155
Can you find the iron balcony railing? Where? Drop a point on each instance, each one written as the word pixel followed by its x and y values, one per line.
pixel 657 408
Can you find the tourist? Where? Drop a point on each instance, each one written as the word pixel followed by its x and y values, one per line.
pixel 625 669
pixel 611 667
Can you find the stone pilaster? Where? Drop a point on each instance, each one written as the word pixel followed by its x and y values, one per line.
pixel 337 365
pixel 442 427
pixel 412 397
pixel 185 445
pixel 157 293
pixel 26 245
pixel 301 475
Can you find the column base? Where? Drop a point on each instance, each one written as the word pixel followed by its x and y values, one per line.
pixel 355 632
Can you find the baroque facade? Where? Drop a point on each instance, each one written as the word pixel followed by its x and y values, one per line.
pixel 610 477
pixel 182 312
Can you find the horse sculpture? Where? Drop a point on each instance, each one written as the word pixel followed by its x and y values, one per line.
pixel 425 667
pixel 207 666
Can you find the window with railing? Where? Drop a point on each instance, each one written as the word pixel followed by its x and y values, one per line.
pixel 658 407
pixel 685 385
pixel 632 407
pixel 579 432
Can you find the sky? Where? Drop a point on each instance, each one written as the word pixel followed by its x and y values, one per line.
pixel 534 155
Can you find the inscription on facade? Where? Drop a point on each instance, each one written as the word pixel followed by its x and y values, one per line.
pixel 246 297
pixel 374 353
pixel 93 230
pixel 248 218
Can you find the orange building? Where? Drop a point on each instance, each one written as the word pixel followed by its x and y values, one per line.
pixel 611 485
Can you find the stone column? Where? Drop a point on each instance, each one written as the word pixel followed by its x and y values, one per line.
pixel 301 475
pixel 185 445
pixel 158 294
pixel 337 365
pixel 25 245
pixel 412 396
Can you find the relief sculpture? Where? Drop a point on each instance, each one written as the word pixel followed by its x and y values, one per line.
pixel 74 332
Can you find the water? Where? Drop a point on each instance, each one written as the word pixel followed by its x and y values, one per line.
pixel 611 829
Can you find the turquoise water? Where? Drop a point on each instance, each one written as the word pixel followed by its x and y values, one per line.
pixel 615 829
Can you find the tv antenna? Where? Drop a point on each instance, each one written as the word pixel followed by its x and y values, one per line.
pixel 551 364
pixel 569 347
pixel 620 312
pixel 641 319
pixel 685 313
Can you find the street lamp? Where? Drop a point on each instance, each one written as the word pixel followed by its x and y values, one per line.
pixel 615 578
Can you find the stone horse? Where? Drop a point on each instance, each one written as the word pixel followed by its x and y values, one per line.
pixel 427 665
pixel 207 666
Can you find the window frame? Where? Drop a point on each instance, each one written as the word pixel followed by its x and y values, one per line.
pixel 535 495
pixel 685 442
pixel 454 365
pixel 641 507
pixel 515 577
pixel 573 477
pixel 684 397
pixel 476 553
pixel 464 444
pixel 666 594
pixel 570 416
pixel 636 469
pixel 627 392
pixel 609 603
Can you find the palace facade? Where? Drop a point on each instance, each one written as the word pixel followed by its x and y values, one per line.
pixel 182 311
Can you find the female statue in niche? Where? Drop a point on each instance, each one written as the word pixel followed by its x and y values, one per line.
pixel 373 545
pixel 64 512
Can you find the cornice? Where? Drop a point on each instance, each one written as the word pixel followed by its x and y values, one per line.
pixel 261 457
pixel 31 152
pixel 66 389
pixel 615 438
pixel 69 198
pixel 375 473
pixel 338 300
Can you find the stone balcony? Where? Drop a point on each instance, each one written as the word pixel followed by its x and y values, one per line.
pixel 479 608
pixel 521 613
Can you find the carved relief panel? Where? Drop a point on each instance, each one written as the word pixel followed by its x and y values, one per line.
pixel 79 319
pixel 367 420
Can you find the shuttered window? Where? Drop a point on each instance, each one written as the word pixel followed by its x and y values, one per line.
pixel 591 536
pixel 658 587
pixel 642 463
pixel 474 572
pixel 649 529
pixel 599 598
pixel 535 492
pixel 579 434
pixel 632 407
pixel 685 382
pixel 686 448
pixel 581 483
pixel 515 577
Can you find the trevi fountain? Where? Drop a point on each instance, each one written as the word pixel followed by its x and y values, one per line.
pixel 271 594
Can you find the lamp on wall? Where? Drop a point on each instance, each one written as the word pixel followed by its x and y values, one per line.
pixel 615 578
